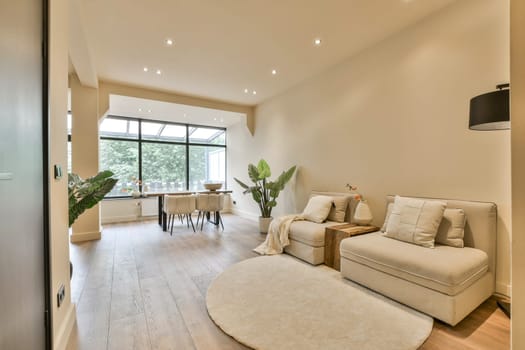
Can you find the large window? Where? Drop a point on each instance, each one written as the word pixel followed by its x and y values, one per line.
pixel 155 156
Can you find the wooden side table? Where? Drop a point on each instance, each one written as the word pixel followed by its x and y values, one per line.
pixel 333 236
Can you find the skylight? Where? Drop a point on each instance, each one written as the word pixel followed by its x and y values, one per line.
pixel 119 128
pixel 204 134
pixel 174 131
pixel 151 129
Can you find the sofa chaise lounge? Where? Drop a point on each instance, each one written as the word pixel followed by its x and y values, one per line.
pixel 445 282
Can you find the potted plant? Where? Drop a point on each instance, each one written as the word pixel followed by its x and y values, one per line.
pixel 265 192
pixel 85 194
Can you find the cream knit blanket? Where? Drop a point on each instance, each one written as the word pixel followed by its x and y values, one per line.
pixel 277 237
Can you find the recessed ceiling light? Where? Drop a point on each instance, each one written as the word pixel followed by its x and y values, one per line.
pixel 274 71
pixel 168 42
pixel 245 91
pixel 149 110
pixel 254 92
pixel 145 69
pixel 158 72
pixel 317 42
pixel 214 118
pixel 140 109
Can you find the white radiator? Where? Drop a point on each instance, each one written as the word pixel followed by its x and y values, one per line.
pixel 149 206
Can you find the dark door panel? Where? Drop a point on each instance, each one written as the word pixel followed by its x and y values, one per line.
pixel 22 271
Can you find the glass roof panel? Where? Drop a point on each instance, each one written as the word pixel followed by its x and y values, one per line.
pixel 174 131
pixel 203 134
pixel 116 127
pixel 151 129
pixel 134 127
pixel 111 126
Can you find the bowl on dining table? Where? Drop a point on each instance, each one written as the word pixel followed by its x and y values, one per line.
pixel 213 186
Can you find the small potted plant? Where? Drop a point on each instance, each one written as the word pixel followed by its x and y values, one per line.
pixel 265 192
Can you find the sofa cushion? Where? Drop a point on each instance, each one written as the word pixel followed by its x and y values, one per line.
pixel 415 220
pixel 308 232
pixel 338 211
pixel 387 216
pixel 452 228
pixel 318 208
pixel 445 269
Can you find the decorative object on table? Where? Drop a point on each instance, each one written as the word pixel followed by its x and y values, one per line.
pixel 491 111
pixel 362 214
pixel 265 192
pixel 212 186
pixel 351 188
pixel 135 189
pixel 85 194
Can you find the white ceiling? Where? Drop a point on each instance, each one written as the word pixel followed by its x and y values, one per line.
pixel 224 46
pixel 157 110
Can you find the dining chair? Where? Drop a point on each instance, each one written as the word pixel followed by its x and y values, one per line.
pixel 207 204
pixel 179 205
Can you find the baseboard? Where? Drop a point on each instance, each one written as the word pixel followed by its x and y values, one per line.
pixel 503 289
pixel 245 214
pixel 62 336
pixel 85 236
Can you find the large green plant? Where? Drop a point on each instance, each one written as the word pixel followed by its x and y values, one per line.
pixel 85 194
pixel 265 192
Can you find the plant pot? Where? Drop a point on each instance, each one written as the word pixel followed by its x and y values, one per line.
pixel 264 224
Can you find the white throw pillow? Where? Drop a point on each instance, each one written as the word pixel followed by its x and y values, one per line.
pixel 452 228
pixel 415 220
pixel 318 208
pixel 338 210
pixel 387 216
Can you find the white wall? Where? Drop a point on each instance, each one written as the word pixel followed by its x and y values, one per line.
pixel 394 120
pixel 517 71
pixel 63 317
pixel 122 210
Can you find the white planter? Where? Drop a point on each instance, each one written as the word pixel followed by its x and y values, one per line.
pixel 264 224
pixel 363 214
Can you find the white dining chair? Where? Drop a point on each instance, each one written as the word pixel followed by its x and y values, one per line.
pixel 207 204
pixel 179 205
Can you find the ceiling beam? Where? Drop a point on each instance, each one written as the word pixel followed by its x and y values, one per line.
pixel 109 88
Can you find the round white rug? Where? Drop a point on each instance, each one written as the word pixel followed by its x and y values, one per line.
pixel 278 302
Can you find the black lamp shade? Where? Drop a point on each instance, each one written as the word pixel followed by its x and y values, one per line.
pixel 490 111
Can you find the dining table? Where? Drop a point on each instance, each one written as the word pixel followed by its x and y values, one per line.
pixel 162 219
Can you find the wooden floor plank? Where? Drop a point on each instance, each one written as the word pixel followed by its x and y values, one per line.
pixel 141 288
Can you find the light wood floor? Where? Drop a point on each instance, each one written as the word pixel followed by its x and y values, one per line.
pixel 140 288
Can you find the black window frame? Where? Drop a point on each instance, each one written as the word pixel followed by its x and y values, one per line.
pixel 186 143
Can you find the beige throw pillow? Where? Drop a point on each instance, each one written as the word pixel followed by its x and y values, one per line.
pixel 452 228
pixel 415 220
pixel 338 210
pixel 388 212
pixel 318 208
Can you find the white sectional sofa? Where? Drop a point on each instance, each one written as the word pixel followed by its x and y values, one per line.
pixel 307 238
pixel 445 282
